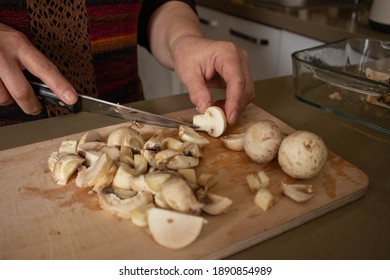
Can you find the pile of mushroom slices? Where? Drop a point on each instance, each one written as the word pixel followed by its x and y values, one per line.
pixel 301 155
pixel 151 182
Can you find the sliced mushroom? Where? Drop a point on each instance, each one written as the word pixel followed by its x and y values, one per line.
pixel 123 194
pixel 126 136
pixel 234 142
pixel 173 230
pixel 122 208
pixel 188 134
pixel 106 179
pixel 154 181
pixel 182 161
pixel 90 136
pixel 264 199
pixel 95 172
pixel 140 164
pixel 258 180
pixel 159 200
pixel 139 216
pixel 125 178
pixel 298 192
pixel 192 149
pixel 68 147
pixel 172 143
pixel 213 121
pixel 155 142
pixel 179 196
pixel 65 167
pixel 189 174
pixel 207 180
pixel 54 156
pixel 216 204
pixel 378 76
pixel 163 157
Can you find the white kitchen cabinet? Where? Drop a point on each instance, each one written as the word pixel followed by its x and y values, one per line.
pixel 157 81
pixel 292 42
pixel 269 51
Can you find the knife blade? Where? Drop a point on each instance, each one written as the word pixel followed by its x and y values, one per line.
pixel 102 107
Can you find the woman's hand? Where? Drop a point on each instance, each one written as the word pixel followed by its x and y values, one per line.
pixel 18 54
pixel 202 63
pixel 178 43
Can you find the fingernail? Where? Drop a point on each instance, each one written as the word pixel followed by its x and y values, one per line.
pixel 36 111
pixel 70 96
pixel 202 107
pixel 232 117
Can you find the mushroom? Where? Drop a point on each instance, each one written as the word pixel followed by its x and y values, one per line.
pixel 128 178
pixel 216 204
pixel 162 158
pixel 179 196
pixel 213 121
pixel 207 180
pixel 139 215
pixel 262 140
pixel 126 136
pixel 95 172
pixel 258 181
pixel 65 166
pixel 154 181
pixel 90 136
pixel 68 147
pixel 264 199
pixel 172 143
pixel 155 142
pixel 378 76
pixel 302 154
pixel 234 142
pixel 188 134
pixel 54 156
pixel 122 208
pixel 298 192
pixel 173 230
pixel 182 161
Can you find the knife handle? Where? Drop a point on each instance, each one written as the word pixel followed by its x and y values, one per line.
pixel 47 97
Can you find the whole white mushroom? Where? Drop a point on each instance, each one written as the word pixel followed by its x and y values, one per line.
pixel 262 140
pixel 302 154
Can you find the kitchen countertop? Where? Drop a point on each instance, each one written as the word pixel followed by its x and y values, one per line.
pixel 327 24
pixel 359 230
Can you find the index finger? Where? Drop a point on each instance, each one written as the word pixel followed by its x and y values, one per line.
pixel 40 66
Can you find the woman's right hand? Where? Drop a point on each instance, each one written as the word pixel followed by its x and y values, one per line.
pixel 17 53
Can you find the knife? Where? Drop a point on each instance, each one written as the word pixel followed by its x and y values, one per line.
pixel 102 107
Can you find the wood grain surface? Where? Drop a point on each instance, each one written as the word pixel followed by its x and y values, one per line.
pixel 42 220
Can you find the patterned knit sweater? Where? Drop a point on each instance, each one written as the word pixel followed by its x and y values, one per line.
pixel 92 42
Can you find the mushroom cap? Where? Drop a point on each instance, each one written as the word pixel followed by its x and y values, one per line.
pixel 262 140
pixel 302 154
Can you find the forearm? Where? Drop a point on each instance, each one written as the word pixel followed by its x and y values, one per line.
pixel 168 26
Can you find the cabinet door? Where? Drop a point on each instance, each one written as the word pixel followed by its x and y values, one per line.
pixel 292 42
pixel 157 81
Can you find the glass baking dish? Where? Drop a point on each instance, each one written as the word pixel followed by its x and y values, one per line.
pixel 349 78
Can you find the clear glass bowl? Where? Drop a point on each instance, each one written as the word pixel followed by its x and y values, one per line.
pixel 333 78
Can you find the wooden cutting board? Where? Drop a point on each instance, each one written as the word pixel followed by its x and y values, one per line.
pixel 41 220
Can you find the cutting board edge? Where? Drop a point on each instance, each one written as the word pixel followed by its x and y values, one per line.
pixel 245 244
